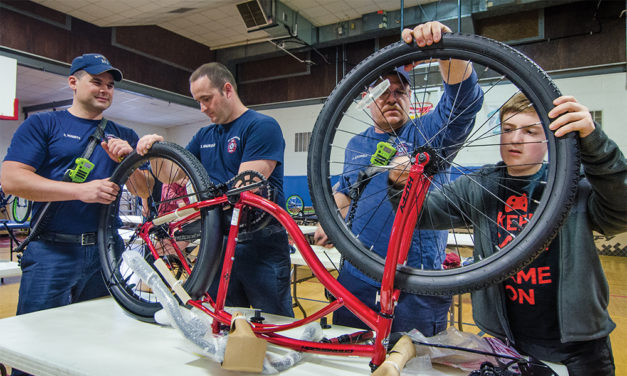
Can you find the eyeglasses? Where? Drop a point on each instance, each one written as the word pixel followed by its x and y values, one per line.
pixel 398 93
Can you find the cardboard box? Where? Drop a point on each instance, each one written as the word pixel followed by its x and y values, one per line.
pixel 244 351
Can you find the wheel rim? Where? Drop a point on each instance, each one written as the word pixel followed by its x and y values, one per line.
pixel 340 121
pixel 295 205
pixel 131 292
pixel 20 209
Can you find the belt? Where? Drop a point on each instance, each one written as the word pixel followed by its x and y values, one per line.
pixel 87 238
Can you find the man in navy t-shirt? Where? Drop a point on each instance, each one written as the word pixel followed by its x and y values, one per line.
pixel 61 265
pixel 372 217
pixel 240 139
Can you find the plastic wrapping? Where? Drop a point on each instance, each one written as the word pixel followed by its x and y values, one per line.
pixel 276 363
pixel 196 325
pixel 463 360
pixel 192 327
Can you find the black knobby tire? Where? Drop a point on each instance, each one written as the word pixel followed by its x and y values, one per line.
pixel 127 290
pixel 562 168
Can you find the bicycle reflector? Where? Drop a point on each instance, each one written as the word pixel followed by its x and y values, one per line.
pixel 79 173
pixel 384 153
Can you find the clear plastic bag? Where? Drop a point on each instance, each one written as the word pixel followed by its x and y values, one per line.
pixel 463 360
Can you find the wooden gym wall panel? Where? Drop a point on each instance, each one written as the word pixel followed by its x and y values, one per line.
pixel 319 82
pixel 283 78
pixel 356 52
pixel 523 25
pixel 575 35
pixel 579 35
pixel 273 68
pixel 579 51
pixel 258 85
pixel 41 38
pixel 171 47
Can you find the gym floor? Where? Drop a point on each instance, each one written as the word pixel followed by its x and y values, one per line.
pixel 311 296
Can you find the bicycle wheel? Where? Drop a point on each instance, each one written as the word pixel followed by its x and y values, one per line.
pixel 199 241
pixel 360 229
pixel 295 205
pixel 20 209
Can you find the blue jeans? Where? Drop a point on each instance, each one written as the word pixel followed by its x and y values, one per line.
pixel 260 276
pixel 428 314
pixel 58 274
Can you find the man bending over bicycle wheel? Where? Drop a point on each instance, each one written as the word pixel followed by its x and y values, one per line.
pixel 240 139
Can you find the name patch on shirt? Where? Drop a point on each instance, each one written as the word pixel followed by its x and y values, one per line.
pixel 358 156
pixel 71 136
pixel 207 146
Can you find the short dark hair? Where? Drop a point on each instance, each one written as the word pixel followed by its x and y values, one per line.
pixel 79 74
pixel 217 73
pixel 516 105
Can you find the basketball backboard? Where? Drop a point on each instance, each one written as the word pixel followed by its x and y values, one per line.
pixel 8 100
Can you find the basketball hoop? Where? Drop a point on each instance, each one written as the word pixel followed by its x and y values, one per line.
pixel 419 109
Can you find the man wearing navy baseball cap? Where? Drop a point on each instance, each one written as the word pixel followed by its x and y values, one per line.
pixel 371 214
pixel 94 64
pixel 61 265
pixel 400 72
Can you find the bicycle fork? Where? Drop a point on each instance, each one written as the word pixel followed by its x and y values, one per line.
pixel 413 196
pixel 227 265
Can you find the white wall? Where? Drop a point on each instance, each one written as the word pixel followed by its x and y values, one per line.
pixel 182 134
pixel 607 93
pixel 7 128
pixel 140 129
pixel 603 92
pixel 295 120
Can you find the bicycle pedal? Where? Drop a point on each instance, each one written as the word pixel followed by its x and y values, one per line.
pixel 324 324
pixel 257 319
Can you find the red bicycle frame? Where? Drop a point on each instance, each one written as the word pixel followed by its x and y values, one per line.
pixel 411 201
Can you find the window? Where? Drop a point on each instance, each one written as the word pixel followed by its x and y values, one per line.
pixel 301 141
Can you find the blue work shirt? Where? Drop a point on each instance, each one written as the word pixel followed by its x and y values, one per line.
pixel 221 148
pixel 50 142
pixel 374 214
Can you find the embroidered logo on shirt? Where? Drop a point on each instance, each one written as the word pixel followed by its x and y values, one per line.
pixel 71 136
pixel 231 146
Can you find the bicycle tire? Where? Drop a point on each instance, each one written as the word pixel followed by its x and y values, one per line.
pixel 495 59
pixel 295 205
pixel 20 209
pixel 127 290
